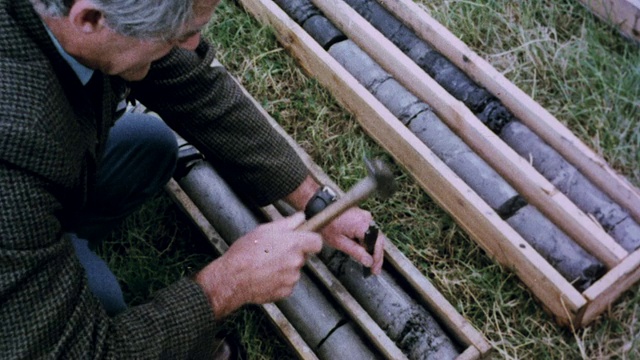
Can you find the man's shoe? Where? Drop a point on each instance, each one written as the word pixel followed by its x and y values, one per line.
pixel 228 347
pixel 222 350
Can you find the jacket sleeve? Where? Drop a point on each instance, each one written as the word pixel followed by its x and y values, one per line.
pixel 209 109
pixel 46 307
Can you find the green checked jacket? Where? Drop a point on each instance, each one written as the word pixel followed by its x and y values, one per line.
pixel 50 141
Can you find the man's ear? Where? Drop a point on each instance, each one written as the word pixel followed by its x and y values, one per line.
pixel 86 17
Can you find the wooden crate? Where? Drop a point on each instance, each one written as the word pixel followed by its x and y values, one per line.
pixel 623 14
pixel 568 305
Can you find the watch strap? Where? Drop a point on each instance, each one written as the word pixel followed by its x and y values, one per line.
pixel 320 200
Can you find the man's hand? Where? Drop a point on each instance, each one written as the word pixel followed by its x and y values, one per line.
pixel 260 267
pixel 346 233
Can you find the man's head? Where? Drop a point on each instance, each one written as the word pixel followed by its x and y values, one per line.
pixel 122 37
pixel 151 19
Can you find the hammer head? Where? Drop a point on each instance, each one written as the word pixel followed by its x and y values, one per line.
pixel 382 175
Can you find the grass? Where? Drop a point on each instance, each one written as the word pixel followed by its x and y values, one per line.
pixel 575 66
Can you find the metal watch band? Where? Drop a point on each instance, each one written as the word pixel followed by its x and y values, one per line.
pixel 320 200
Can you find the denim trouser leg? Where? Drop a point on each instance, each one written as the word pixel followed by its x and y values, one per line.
pixel 139 159
pixel 102 282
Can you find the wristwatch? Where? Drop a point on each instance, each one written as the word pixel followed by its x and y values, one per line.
pixel 320 200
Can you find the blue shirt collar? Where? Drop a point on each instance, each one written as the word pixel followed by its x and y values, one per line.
pixel 84 73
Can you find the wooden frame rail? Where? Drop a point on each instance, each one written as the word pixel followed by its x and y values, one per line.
pixel 569 306
pixel 624 14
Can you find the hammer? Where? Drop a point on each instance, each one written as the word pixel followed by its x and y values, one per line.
pixel 379 179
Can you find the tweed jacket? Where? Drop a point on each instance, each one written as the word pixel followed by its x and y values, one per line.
pixel 51 137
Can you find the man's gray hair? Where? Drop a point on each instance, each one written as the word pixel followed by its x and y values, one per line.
pixel 144 19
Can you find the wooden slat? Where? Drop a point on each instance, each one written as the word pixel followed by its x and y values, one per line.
pixel 470 354
pixel 605 291
pixel 286 329
pixel 376 335
pixel 184 202
pixel 440 307
pixel 520 104
pixel 623 14
pixel 288 332
pixel 474 215
pixel 516 170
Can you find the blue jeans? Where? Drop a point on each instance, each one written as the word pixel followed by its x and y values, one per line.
pixel 139 159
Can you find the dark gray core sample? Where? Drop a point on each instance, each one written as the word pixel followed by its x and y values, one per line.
pixel 413 329
pixel 360 65
pixel 298 10
pixel 328 332
pixel 310 18
pixel 308 309
pixel 568 258
pixel 476 173
pixel 454 80
pixel 494 115
pixel 511 206
pixel 402 103
pixel 574 264
pixel 419 118
pixel 323 31
pixel 335 346
pixel 615 220
pixel 314 329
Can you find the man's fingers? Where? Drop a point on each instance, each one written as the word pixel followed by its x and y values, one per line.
pixel 378 255
pixel 355 250
pixel 312 243
pixel 293 221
